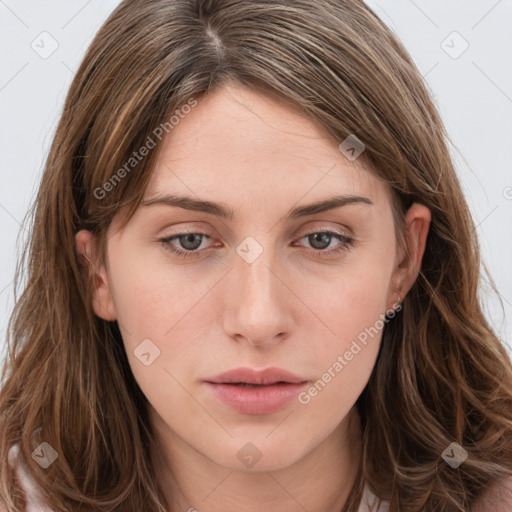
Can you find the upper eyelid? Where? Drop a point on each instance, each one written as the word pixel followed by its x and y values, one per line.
pixel 323 227
pixel 199 231
pixel 327 230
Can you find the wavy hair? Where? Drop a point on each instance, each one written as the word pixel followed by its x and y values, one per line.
pixel 442 375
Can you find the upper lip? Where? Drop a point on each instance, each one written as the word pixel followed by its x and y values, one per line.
pixel 250 376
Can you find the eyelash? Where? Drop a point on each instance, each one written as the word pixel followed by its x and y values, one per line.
pixel 345 245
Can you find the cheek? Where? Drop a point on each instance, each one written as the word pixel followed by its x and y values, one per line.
pixel 348 300
pixel 152 297
pixel 343 357
pixel 165 319
pixel 350 311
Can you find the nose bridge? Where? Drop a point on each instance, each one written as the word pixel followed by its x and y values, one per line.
pixel 253 269
pixel 257 311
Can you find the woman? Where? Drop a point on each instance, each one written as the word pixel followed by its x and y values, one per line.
pixel 253 279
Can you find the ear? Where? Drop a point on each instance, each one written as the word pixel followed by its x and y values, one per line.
pixel 103 302
pixel 417 224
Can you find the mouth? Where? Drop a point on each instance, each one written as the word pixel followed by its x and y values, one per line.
pixel 250 391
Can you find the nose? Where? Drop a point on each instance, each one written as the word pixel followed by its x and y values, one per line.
pixel 259 308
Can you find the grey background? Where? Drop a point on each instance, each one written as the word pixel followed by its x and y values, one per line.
pixel 472 90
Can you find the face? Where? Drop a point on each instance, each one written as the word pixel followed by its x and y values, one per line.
pixel 269 284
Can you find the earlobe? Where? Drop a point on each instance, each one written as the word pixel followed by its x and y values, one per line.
pixel 103 303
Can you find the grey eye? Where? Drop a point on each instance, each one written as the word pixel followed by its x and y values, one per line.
pixel 190 241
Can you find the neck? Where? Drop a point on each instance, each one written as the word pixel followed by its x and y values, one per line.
pixel 321 480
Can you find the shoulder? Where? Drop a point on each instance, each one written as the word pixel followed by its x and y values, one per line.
pixel 496 498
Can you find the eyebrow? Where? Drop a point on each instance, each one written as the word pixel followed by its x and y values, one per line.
pixel 221 210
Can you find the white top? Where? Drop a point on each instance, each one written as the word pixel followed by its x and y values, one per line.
pixel 34 498
pixel 35 501
pixel 369 502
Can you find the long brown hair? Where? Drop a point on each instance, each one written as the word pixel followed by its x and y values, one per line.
pixel 442 375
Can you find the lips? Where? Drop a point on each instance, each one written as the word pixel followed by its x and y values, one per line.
pixel 256 392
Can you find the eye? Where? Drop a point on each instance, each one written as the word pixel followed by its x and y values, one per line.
pixel 320 240
pixel 191 242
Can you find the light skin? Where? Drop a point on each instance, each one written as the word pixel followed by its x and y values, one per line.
pixel 295 306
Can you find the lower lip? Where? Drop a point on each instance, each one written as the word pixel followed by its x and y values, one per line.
pixel 257 400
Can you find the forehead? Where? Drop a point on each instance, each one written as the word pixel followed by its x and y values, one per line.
pixel 248 144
